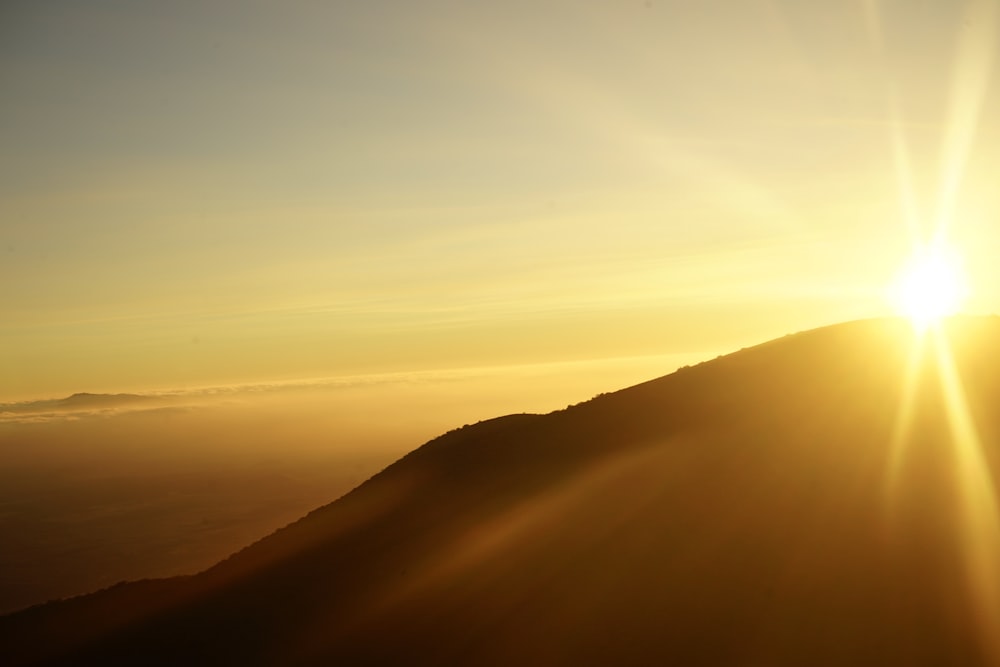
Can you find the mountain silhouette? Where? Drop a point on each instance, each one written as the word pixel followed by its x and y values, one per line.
pixel 769 507
pixel 88 400
pixel 80 401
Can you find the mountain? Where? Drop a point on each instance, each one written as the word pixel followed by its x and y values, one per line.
pixel 769 507
pixel 80 401
pixel 87 400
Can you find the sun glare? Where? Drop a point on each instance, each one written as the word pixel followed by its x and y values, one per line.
pixel 931 286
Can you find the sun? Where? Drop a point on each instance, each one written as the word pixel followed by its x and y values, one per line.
pixel 931 286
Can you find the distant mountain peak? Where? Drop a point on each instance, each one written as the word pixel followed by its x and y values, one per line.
pixel 88 397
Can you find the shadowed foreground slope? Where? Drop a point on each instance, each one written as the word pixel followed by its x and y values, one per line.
pixel 752 510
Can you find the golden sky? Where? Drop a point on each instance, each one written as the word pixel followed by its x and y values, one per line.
pixel 197 193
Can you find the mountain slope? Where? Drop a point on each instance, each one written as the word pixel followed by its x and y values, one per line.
pixel 743 511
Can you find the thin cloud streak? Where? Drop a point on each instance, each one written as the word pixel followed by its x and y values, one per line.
pixel 164 401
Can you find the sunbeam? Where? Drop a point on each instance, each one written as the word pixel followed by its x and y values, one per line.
pixel 978 523
pixel 932 286
pixel 904 413
pixel 970 81
pixel 977 518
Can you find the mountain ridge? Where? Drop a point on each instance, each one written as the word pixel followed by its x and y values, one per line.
pixel 78 401
pixel 452 537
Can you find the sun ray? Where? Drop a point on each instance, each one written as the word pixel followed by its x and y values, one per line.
pixel 970 81
pixel 979 523
pixel 932 286
pixel 904 413
pixel 977 518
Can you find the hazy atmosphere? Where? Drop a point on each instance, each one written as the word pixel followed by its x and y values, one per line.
pixel 205 193
pixel 254 255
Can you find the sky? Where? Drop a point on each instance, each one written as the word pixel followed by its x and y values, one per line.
pixel 203 193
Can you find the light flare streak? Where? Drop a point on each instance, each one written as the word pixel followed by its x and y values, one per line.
pixel 902 427
pixel 979 521
pixel 970 81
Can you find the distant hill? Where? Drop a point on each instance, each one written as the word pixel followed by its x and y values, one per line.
pixel 757 509
pixel 86 400
pixel 80 401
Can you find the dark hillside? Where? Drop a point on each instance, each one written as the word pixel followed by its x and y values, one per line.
pixel 751 510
